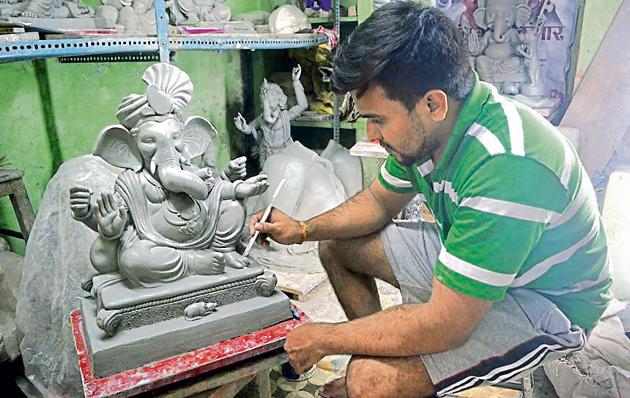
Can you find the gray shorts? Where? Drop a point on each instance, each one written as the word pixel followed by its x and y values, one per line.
pixel 517 335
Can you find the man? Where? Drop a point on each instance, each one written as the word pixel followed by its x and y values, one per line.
pixel 514 271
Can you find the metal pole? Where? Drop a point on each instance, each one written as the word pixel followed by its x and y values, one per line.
pixel 161 23
pixel 336 121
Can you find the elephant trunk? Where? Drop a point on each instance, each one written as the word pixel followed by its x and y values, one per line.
pixel 499 33
pixel 174 178
pixel 269 113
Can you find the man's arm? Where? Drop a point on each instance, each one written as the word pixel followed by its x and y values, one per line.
pixel 444 323
pixel 361 215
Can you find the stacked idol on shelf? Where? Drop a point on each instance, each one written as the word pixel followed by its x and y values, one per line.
pixel 524 48
pixel 70 18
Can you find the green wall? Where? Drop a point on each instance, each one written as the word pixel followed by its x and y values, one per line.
pixel 52 112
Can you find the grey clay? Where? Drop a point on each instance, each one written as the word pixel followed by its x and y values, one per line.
pixel 506 54
pixel 44 9
pixel 164 218
pixel 272 128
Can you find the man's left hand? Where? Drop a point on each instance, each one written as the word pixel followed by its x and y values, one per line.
pixel 306 345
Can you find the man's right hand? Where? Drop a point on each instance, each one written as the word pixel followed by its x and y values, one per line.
pixel 279 227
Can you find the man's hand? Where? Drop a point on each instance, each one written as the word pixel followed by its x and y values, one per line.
pixel 279 227
pixel 236 169
pixel 251 187
pixel 306 345
pixel 111 221
pixel 80 202
pixel 445 322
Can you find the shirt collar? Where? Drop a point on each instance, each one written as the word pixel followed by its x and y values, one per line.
pixel 469 112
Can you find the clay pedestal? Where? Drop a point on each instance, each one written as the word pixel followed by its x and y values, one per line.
pixel 136 347
pixel 125 331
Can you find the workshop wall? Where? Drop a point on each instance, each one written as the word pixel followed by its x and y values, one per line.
pixel 598 15
pixel 52 112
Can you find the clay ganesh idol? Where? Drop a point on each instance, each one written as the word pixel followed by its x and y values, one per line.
pixel 497 58
pixel 165 218
pixel 158 244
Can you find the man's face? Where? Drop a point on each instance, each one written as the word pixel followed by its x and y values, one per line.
pixel 407 135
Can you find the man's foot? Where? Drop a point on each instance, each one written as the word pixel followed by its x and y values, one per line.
pixel 334 389
pixel 235 260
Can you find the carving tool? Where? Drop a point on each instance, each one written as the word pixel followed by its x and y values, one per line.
pixel 250 244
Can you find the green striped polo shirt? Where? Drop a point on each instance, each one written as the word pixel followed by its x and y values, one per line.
pixel 514 208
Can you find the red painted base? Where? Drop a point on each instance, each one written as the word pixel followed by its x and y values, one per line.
pixel 180 367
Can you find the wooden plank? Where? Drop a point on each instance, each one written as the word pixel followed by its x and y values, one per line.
pixel 228 390
pixel 11 184
pixel 297 285
pixel 8 175
pixel 572 134
pixel 260 387
pixel 22 207
pixel 600 106
pixel 368 149
pixel 248 370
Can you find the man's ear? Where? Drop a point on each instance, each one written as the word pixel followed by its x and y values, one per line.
pixel 435 105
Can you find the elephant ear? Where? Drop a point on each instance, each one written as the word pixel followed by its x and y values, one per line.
pixel 197 135
pixel 479 15
pixel 523 13
pixel 118 148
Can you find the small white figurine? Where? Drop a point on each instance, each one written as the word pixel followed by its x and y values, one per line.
pixel 272 128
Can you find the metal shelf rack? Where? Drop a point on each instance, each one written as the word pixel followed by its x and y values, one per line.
pixel 336 116
pixel 96 48
pixel 328 124
pixel 262 41
pixel 26 50
pixel 159 47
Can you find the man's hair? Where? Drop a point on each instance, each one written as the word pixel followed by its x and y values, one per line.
pixel 407 49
